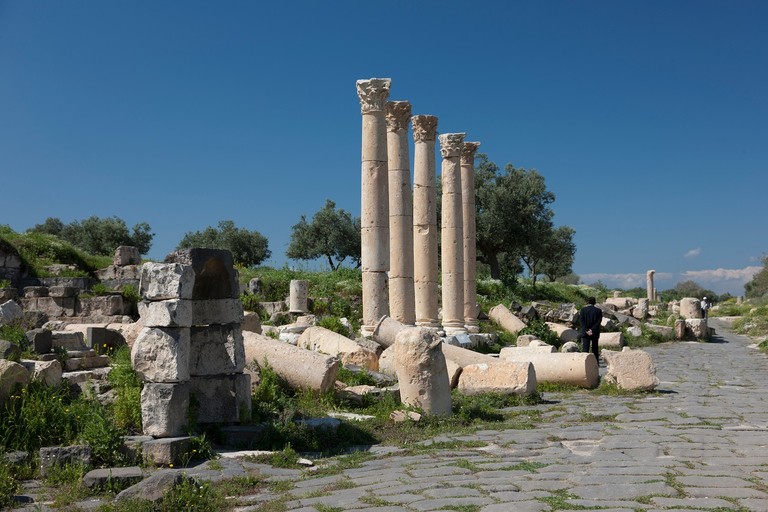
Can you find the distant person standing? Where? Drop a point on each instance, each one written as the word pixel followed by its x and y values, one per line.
pixel 590 317
pixel 704 307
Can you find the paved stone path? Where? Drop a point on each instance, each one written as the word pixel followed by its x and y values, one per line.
pixel 701 443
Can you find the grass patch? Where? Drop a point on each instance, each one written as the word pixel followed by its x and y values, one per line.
pixel 611 389
pixel 596 418
pixel 126 407
pixel 531 467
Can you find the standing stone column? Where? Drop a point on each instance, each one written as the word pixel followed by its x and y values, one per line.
pixel 649 282
pixel 470 249
pixel 452 234
pixel 401 294
pixel 299 291
pixel 374 216
pixel 425 220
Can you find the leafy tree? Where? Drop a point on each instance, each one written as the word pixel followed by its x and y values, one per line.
pixel 688 288
pixel 98 236
pixel 758 286
pixel 557 253
pixel 332 233
pixel 248 248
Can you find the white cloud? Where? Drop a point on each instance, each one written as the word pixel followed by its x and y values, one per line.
pixel 692 253
pixel 720 280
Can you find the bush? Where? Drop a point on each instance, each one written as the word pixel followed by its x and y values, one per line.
pixel 333 323
pixel 126 407
pixel 542 331
pixel 248 248
pixel 9 486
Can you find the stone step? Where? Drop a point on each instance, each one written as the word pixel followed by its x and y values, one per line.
pixel 85 363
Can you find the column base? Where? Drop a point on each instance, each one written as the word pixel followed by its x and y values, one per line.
pixel 451 330
pixel 428 325
pixel 366 331
pixel 472 329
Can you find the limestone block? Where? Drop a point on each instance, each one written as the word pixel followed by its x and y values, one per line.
pixel 623 319
pixel 697 328
pixel 545 349
pixel 506 378
pixel 63 291
pixel 252 322
pixel 386 330
pixel 70 340
pixel 165 451
pixel 463 357
pixel 690 308
pixel 402 302
pixel 161 281
pixel 611 340
pixel 667 332
pixel 35 291
pixel 426 300
pixel 9 257
pixel 7 294
pixel 567 313
pixel 162 354
pixel 103 340
pixel 505 318
pixel 11 374
pixel 122 477
pixel 164 408
pixel 635 331
pixel 422 371
pixel 297 367
pixel 525 340
pixel 578 369
pixel 299 291
pixel 61 455
pixel 619 302
pixel 570 346
pixel 9 312
pixel 9 350
pixel 126 255
pixel 129 331
pixel 108 305
pixel 215 277
pixel 641 310
pixel 374 203
pixel 46 372
pixel 630 369
pixel 166 313
pixel 40 340
pixel 216 349
pixel 217 311
pixel 563 332
pixel 348 351
pixel 222 398
pixel 529 313
pixel 73 364
pixel 607 324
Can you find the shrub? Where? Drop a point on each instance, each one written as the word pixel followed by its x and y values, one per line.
pixel 333 323
pixel 9 486
pixel 126 407
pixel 542 331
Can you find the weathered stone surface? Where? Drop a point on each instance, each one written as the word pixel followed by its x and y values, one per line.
pixel 52 306
pixel 103 340
pixel 108 476
pixel 130 331
pixel 566 313
pixel 690 308
pixel 165 451
pixel 535 349
pixel 70 340
pixel 299 290
pixel 90 361
pixel 641 310
pixel 162 281
pixel 214 275
pixel 612 340
pixel 217 311
pixel 166 313
pixel 563 332
pixel 630 369
pixel 131 447
pixel 525 340
pixel 9 312
pixel 619 302
pixel 422 371
pixel 60 455
pixel 35 291
pixel 162 354
pixel 154 487
pixel 11 374
pixel 46 372
pixel 667 332
pixel 697 328
pixel 222 398
pixel 63 291
pixel 164 408
pixel 9 256
pixel 216 349
pixel 254 286
pixel 297 367
pixel 623 319
pixel 679 329
pixel 607 324
pixel 506 378
pixel 9 350
pixel 570 346
pixel 505 318
pixel 252 322
pixel 348 351
pixel 578 369
pixel 108 305
pixel 40 340
pixel 635 331
pixel 529 313
pixel 126 255
pixel 386 331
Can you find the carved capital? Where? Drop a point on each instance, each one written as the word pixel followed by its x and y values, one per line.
pixel 424 128
pixel 451 143
pixel 373 94
pixel 468 151
pixel 398 115
pixel 650 273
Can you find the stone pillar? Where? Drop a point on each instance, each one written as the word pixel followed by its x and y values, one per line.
pixel 616 294
pixel 649 282
pixel 739 299
pixel 298 298
pixel 452 234
pixel 374 217
pixel 470 249
pixel 425 221
pixel 401 294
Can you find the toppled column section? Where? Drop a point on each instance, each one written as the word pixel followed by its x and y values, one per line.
pixel 505 318
pixel 503 377
pixel 630 369
pixel 577 369
pixel 328 342
pixel 422 371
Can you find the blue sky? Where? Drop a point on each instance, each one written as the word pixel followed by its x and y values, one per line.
pixel 648 119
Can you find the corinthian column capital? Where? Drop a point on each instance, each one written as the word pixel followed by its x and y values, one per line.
pixel 373 94
pixel 451 143
pixel 424 128
pixel 468 151
pixel 398 115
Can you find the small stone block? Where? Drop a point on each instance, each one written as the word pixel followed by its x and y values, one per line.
pixel 36 291
pixel 215 276
pixel 242 436
pixel 71 340
pixel 63 291
pixel 60 455
pixel 40 340
pixel 218 311
pixel 216 350
pixel 123 477
pixel 161 354
pixel 131 447
pixel 166 313
pixel 223 399
pixel 103 340
pixel 73 364
pixel 164 408
pixel 162 281
pixel 166 451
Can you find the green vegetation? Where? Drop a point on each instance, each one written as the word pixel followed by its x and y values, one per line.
pixel 248 248
pixel 126 407
pixel 758 286
pixel 332 233
pixel 98 236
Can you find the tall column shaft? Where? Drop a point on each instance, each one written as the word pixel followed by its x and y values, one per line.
pixel 452 233
pixel 374 217
pixel 470 248
pixel 425 221
pixel 401 292
pixel 649 283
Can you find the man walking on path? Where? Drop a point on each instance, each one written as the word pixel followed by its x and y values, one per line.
pixel 590 318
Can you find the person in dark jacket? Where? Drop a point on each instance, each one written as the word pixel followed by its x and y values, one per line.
pixel 590 318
